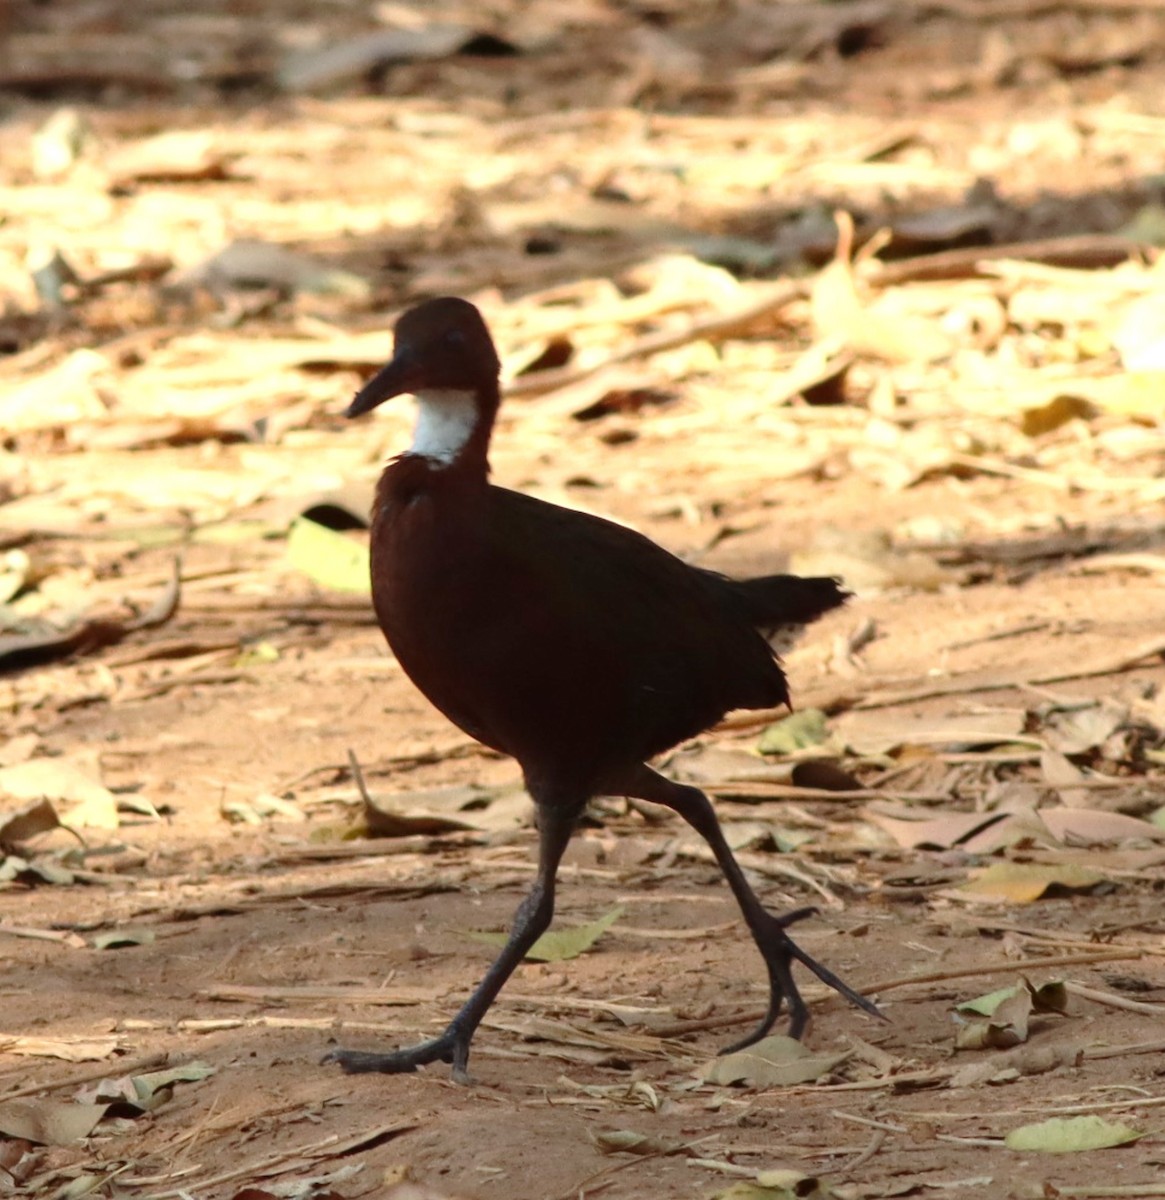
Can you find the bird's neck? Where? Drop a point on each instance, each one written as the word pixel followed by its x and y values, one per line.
pixel 454 425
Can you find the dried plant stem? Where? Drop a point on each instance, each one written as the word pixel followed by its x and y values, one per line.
pixel 134 1066
pixel 1005 968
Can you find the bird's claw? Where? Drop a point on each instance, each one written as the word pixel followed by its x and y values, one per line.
pixel 450 1047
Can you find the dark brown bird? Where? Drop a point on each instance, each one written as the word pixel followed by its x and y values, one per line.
pixel 573 644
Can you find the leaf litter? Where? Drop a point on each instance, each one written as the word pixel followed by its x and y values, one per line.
pixel 961 416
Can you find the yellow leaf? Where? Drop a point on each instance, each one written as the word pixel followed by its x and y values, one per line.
pixel 1022 883
pixel 1065 1135
pixel 328 557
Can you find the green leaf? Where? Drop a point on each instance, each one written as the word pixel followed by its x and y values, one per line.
pixel 155 1088
pixel 1048 997
pixel 329 558
pixel 986 1004
pixel 560 944
pixel 137 1094
pixel 799 730
pixel 1067 1135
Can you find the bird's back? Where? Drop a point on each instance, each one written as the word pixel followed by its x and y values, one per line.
pixel 565 640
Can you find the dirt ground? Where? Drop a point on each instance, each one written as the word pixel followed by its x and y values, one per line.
pixel 978 450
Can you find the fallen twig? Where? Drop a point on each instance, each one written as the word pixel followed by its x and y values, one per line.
pixel 1110 1000
pixel 133 1066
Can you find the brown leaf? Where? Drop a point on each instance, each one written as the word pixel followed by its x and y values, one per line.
pixel 1061 774
pixel 775 1061
pixel 85 636
pixel 1091 826
pixel 1007 1026
pixel 1080 730
pixel 34 818
pixel 447 810
pixel 938 833
pixel 869 732
pixel 49 1122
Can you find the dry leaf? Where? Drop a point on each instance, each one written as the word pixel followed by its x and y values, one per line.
pixel 250 263
pixel 1066 1135
pixel 49 1122
pixel 1130 394
pixel 936 833
pixel 1009 1010
pixel 1021 883
pixel 1091 826
pixel 1048 997
pixel 1140 334
pixel 401 815
pixel 34 818
pixel 775 1061
pixel 143 1093
pixel 559 944
pixel 1079 730
pixel 872 732
pixel 448 809
pixel 876 330
pixel 63 782
pixel 1061 773
pixel 628 1141
pixel 115 939
pixel 1008 1026
pixel 63 395
pixel 329 558
pixel 69 1049
pixel 176 155
pixel 1027 1059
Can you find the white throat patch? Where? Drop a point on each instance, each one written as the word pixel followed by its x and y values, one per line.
pixel 445 421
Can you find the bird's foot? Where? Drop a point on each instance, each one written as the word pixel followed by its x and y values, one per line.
pixel 451 1047
pixel 779 952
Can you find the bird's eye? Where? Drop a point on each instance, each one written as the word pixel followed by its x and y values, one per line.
pixel 454 337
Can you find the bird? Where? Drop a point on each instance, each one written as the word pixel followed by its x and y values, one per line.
pixel 573 644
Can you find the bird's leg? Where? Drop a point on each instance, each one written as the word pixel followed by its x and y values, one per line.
pixel 768 931
pixel 555 825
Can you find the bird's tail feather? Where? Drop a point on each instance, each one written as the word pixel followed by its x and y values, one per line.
pixel 776 600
